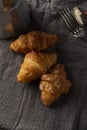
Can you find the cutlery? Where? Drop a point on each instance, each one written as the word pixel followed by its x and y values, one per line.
pixel 75 28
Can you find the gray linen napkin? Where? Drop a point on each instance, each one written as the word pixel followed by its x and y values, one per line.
pixel 20 104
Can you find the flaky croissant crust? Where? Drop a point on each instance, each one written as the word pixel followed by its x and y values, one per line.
pixel 34 65
pixel 34 41
pixel 54 84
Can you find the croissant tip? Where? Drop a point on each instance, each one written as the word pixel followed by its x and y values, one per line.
pixel 19 79
pixel 12 47
pixel 45 101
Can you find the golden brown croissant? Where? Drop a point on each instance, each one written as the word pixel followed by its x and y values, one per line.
pixel 34 65
pixel 54 84
pixel 34 41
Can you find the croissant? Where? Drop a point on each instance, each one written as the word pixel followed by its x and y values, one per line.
pixel 34 65
pixel 34 41
pixel 54 84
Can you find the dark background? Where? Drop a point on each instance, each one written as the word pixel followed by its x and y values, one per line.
pixel 20 104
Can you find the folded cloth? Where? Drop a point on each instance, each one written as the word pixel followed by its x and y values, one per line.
pixel 20 104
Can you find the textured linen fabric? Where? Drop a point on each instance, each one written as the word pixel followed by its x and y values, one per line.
pixel 20 104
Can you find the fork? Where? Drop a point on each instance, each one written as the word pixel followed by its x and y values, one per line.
pixel 72 24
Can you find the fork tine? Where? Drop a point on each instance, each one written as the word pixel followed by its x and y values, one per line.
pixel 73 20
pixel 72 24
pixel 69 13
pixel 65 18
pixel 69 18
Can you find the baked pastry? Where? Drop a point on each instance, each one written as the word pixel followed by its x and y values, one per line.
pixel 34 41
pixel 54 84
pixel 34 65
